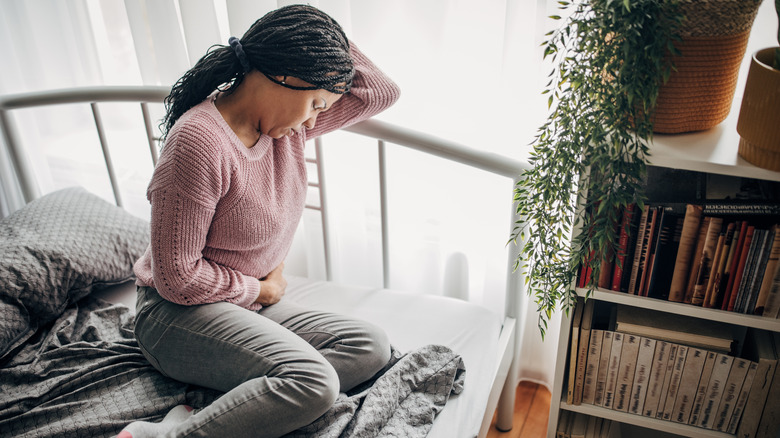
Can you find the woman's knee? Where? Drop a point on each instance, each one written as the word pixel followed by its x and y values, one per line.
pixel 378 349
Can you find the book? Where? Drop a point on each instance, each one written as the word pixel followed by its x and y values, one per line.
pixel 748 275
pixel 622 262
pixel 601 378
pixel 720 373
pixel 772 307
pixel 674 382
pixel 626 369
pixel 704 226
pixel 689 383
pixel 582 352
pixel 701 333
pixel 714 294
pixel 612 370
pixel 762 259
pixel 579 426
pixel 773 261
pixel 739 406
pixel 657 373
pixel 648 249
pixel 701 390
pixel 592 366
pixel 705 263
pixel 743 256
pixel 682 263
pixel 636 259
pixel 715 263
pixel 574 350
pixel 644 365
pixel 659 411
pixel 769 426
pixel 731 392
pixel 740 229
pixel 760 348
pixel 594 427
pixel 606 429
pixel 663 260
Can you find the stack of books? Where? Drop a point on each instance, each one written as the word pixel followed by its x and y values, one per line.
pixel 716 255
pixel 660 369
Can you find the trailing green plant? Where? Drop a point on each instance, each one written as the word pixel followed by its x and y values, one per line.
pixel 589 158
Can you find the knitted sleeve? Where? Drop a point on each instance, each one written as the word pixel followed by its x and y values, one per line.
pixel 190 178
pixel 371 93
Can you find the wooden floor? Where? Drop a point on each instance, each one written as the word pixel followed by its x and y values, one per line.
pixel 532 408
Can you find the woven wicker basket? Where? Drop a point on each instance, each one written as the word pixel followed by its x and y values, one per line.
pixel 699 93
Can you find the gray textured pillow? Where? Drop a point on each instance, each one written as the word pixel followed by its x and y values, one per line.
pixel 55 251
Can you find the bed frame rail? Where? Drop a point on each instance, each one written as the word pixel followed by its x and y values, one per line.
pixel 502 393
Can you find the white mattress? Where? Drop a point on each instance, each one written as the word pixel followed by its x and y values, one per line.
pixel 411 321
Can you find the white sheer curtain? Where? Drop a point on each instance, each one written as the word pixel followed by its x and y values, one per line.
pixel 470 71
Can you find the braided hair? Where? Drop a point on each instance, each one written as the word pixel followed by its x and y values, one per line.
pixel 298 40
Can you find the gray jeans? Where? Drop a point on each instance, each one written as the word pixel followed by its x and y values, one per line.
pixel 280 368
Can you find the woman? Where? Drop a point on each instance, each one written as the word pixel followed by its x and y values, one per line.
pixel 226 197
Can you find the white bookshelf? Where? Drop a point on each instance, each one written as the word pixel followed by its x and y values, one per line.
pixel 713 151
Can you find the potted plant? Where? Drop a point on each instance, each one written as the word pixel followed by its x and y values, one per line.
pixel 589 158
pixel 757 124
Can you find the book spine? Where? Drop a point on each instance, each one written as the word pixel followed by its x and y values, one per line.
pixel 749 272
pixel 757 398
pixel 718 282
pixel 682 264
pixel 644 364
pixel 612 370
pixel 632 284
pixel 739 406
pixel 746 243
pixel 769 273
pixel 582 352
pixel 622 252
pixel 772 307
pixel 666 253
pixel 731 392
pixel 671 360
pixel 689 383
pixel 696 261
pixel 720 374
pixel 592 367
pixel 759 272
pixel 701 391
pixel 769 426
pixel 648 251
pixel 733 264
pixel 574 351
pixel 674 382
pixel 715 263
pixel 657 374
pixel 626 370
pixel 601 379
pixel 705 266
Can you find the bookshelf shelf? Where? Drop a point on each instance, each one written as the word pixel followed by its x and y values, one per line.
pixel 646 422
pixel 714 151
pixel 684 309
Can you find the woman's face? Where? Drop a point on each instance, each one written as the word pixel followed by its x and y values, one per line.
pixel 284 111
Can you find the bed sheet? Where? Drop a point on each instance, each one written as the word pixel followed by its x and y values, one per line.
pixel 411 321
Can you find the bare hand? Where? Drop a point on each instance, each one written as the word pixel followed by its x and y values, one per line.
pixel 272 287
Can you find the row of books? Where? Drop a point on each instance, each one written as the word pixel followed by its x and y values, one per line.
pixel 676 381
pixel 724 256
pixel 579 425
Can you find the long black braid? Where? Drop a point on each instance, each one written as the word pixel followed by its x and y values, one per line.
pixel 298 41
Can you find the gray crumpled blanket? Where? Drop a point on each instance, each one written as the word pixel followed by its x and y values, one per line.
pixel 84 375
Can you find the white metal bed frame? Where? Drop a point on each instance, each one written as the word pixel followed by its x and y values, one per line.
pixel 502 393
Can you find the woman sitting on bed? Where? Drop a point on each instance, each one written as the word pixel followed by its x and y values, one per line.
pixel 226 197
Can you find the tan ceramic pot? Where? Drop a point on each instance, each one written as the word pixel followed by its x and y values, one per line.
pixel 759 116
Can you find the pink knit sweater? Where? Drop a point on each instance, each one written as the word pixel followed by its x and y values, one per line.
pixel 224 215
